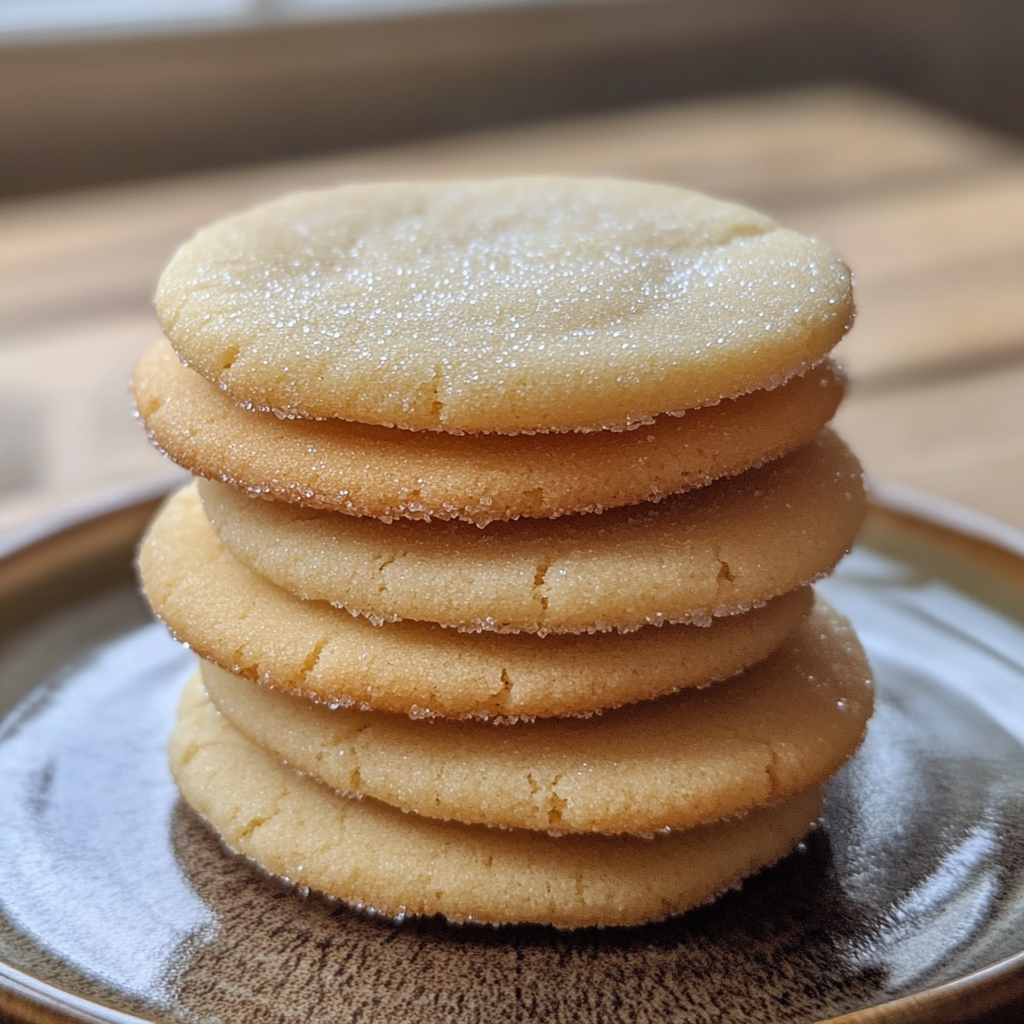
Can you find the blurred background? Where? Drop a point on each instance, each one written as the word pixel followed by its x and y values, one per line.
pixel 891 130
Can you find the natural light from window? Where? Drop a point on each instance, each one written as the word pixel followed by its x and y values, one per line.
pixel 48 18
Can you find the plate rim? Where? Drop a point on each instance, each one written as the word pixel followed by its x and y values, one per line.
pixel 33 1001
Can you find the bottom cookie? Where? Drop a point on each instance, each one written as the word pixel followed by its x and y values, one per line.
pixel 374 856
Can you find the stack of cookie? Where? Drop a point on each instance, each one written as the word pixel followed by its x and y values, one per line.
pixel 495 479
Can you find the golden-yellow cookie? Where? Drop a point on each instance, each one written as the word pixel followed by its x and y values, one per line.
pixel 716 551
pixel 510 305
pixel 236 618
pixel 379 471
pixel 673 763
pixel 374 856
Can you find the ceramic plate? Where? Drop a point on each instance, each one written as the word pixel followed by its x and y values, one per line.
pixel 906 904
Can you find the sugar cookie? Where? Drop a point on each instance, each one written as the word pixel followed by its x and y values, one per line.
pixel 677 762
pixel 512 305
pixel 716 551
pixel 232 616
pixel 375 857
pixel 379 471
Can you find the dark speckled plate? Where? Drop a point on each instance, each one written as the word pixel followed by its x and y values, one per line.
pixel 907 904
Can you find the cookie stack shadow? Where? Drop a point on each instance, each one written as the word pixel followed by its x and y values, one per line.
pixel 568 678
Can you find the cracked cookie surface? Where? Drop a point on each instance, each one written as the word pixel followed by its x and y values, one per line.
pixel 236 618
pixel 673 763
pixel 509 305
pixel 375 857
pixel 377 471
pixel 717 551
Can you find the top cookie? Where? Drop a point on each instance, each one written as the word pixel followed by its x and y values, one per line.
pixel 524 304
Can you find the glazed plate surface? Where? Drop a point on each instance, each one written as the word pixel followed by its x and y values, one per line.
pixel 115 900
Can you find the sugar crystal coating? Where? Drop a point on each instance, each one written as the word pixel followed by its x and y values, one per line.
pixel 511 305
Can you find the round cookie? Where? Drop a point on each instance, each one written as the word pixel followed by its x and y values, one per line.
pixel 376 471
pixel 512 305
pixel 377 858
pixel 672 763
pixel 236 618
pixel 715 551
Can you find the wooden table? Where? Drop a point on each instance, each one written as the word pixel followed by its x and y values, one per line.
pixel 928 211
